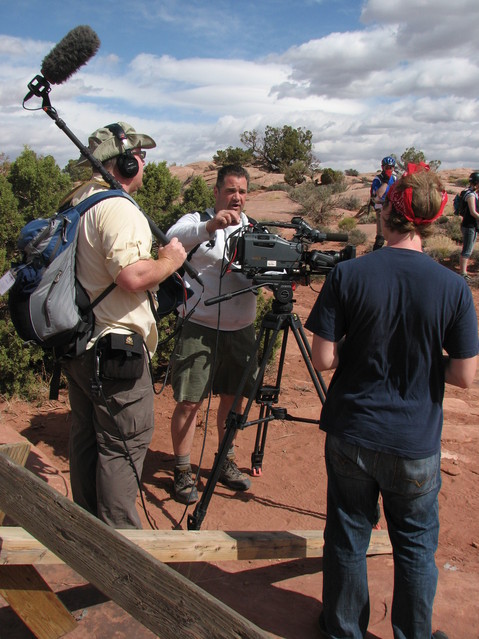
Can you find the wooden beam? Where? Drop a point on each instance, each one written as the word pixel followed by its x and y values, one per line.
pixel 170 546
pixel 18 452
pixel 28 594
pixel 157 596
pixel 24 589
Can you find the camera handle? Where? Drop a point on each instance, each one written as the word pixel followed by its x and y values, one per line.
pixel 279 319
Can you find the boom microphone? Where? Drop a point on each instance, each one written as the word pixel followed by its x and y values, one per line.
pixel 334 237
pixel 77 47
pixel 71 53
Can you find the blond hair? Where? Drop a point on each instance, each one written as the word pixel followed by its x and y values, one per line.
pixel 427 196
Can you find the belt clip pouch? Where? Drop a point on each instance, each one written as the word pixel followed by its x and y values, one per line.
pixel 123 356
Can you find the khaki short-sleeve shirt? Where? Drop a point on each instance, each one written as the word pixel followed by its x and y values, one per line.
pixel 114 234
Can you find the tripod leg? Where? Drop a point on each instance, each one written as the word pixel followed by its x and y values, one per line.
pixel 268 395
pixel 195 520
pixel 307 355
pixel 234 421
pixel 293 321
pixel 260 441
pixel 257 454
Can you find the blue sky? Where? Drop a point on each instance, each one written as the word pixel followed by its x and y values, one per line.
pixel 367 78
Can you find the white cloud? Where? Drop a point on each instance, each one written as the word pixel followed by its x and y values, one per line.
pixel 408 77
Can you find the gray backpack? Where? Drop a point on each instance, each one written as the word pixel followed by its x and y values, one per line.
pixel 47 303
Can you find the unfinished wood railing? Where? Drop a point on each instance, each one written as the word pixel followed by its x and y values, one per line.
pixel 127 565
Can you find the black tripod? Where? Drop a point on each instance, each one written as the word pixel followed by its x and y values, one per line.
pixel 280 318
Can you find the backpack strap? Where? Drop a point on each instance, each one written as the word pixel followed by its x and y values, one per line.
pixel 66 201
pixel 55 379
pixel 101 296
pixel 204 217
pixel 82 207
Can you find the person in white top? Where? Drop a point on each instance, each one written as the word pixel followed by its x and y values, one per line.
pixel 220 335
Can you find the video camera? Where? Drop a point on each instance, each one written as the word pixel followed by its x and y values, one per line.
pixel 260 254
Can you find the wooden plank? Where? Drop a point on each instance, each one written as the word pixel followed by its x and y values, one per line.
pixel 18 452
pixel 24 589
pixel 157 596
pixel 35 603
pixel 170 546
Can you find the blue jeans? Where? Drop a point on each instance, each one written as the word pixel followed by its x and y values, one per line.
pixel 469 236
pixel 409 488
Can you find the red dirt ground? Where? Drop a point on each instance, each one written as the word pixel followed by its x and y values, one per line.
pixel 282 597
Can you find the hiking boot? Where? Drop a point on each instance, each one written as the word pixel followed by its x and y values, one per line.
pixel 378 243
pixel 232 477
pixel 184 486
pixel 439 634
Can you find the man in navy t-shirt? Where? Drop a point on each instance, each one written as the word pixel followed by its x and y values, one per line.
pixel 383 322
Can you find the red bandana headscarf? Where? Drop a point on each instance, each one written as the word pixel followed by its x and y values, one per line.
pixel 402 200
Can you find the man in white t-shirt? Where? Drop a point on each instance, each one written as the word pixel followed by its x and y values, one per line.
pixel 220 336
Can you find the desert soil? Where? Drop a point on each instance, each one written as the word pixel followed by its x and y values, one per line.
pixel 283 597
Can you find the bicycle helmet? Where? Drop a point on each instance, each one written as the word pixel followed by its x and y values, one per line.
pixel 474 177
pixel 388 161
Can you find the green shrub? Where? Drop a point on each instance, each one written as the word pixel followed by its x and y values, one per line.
pixel 232 155
pixel 351 203
pixel 295 173
pixel 330 176
pixel 198 196
pixel 166 341
pixel 280 186
pixel 317 200
pixel 347 224
pixel 351 172
pixel 441 247
pixel 281 147
pixel 357 237
pixel 450 226
pixel 38 184
pixel 159 193
pixel 264 306
pixel 22 366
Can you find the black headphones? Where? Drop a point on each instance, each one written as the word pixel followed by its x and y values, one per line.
pixel 126 162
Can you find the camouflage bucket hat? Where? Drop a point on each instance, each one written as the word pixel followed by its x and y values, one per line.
pixel 103 144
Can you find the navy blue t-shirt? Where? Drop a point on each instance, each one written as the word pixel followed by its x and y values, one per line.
pixel 398 309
